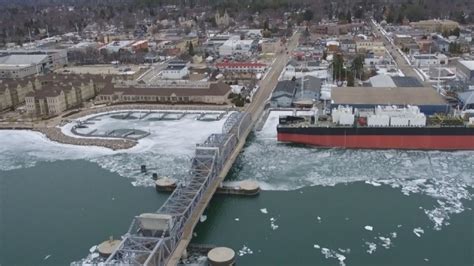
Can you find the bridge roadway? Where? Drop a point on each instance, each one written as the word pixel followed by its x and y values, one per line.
pixel 256 108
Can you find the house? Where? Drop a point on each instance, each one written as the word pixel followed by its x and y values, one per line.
pixel 175 70
pixel 283 94
pixel 441 45
pixel 5 98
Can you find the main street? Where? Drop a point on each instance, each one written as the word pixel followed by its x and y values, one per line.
pixel 394 51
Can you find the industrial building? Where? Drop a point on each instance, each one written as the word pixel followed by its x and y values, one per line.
pixel 55 58
pixel 465 70
pixel 427 99
pixel 20 66
pixel 387 81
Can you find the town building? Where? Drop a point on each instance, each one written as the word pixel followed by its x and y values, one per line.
pixel 167 92
pixel 375 46
pixel 20 66
pixel 233 47
pixel 271 46
pixel 53 94
pixel 283 94
pixel 248 67
pixel 175 70
pixel 56 58
pixel 348 46
pixel 465 70
pixel 426 60
pixel 435 25
pixel 222 19
pixel 427 99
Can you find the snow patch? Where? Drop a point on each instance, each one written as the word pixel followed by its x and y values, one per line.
pixel 418 231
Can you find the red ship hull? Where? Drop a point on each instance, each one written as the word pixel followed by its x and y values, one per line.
pixel 408 142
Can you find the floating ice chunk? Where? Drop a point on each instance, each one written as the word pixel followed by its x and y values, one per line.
pixel 333 254
pixel 203 218
pixel 272 219
pixel 244 251
pixel 372 247
pixel 393 234
pixel 47 257
pixel 369 228
pixel 373 183
pixel 272 224
pixel 398 226
pixel 386 242
pixel 345 251
pixel 316 246
pixel 418 231
pixel 95 255
pixel 92 249
pixel 195 234
pixel 319 219
pixel 426 259
pixel 237 219
pixel 264 211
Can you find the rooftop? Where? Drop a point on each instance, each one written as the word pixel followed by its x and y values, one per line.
pixel 22 59
pixel 469 64
pixel 383 96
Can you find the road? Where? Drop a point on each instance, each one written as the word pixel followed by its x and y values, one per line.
pixel 406 68
pixel 256 107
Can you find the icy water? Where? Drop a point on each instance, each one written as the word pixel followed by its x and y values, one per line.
pixel 319 207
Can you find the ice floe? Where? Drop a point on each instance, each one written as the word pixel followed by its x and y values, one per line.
pixel 244 251
pixel 273 225
pixel 46 257
pixel 386 242
pixel 371 247
pixel 203 218
pixel 418 231
pixel 316 246
pixel 328 253
pixel 264 210
pixel 369 228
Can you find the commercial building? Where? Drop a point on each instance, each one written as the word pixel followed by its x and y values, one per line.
pixel 375 47
pixel 465 70
pixel 427 99
pixel 248 67
pixel 283 93
pixel 426 60
pixel 386 81
pixel 168 92
pixel 237 47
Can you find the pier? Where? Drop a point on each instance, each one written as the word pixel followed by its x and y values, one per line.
pixel 161 238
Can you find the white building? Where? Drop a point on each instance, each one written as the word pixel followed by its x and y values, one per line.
pixel 20 66
pixel 176 70
pixel 426 60
pixel 236 47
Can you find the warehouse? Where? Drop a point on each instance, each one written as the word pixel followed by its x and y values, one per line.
pixel 429 101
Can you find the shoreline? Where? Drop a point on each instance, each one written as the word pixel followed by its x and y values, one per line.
pixel 50 128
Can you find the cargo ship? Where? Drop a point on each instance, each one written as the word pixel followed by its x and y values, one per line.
pixel 381 128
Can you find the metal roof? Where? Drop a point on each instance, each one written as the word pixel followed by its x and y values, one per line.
pixel 386 96
pixel 406 82
pixel 22 59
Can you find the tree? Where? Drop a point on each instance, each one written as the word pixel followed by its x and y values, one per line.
pixel 358 65
pixel 349 16
pixel 338 67
pixel 191 49
pixel 308 15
